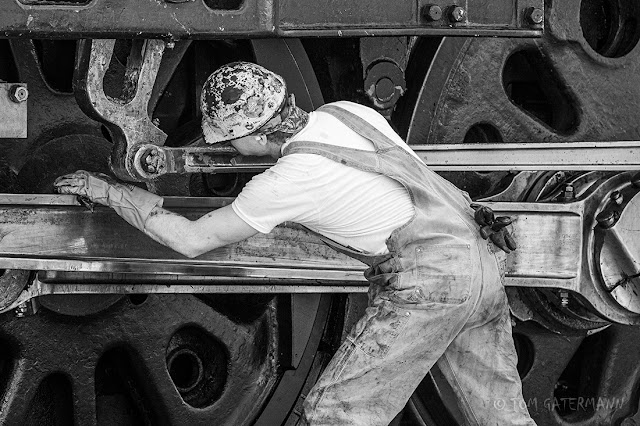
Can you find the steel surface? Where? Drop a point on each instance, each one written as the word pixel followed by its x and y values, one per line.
pixel 72 238
pixel 13 113
pixel 259 18
pixel 621 156
pixel 556 247
pixel 128 120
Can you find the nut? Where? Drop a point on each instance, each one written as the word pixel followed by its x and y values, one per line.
pixel 457 14
pixel 535 16
pixel 606 219
pixel 21 310
pixel 432 12
pixel 569 193
pixel 18 94
pixel 617 197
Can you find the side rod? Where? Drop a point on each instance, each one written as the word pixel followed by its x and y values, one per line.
pixel 588 156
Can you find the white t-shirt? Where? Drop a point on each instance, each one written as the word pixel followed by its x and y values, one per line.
pixel 355 208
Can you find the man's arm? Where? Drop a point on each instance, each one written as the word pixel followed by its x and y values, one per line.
pixel 143 210
pixel 192 238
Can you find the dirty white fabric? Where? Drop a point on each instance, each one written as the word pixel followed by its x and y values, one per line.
pixel 318 193
pixel 437 297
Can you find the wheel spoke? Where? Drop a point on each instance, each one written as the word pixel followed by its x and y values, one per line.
pixel 18 394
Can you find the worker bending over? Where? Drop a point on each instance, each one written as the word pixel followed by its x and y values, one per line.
pixel 436 293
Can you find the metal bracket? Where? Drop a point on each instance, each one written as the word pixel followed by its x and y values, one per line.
pixel 13 110
pixel 127 120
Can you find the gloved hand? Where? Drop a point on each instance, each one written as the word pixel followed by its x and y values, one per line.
pixel 133 204
pixel 494 228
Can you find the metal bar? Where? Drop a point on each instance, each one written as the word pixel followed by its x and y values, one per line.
pixel 70 238
pixel 262 18
pixel 58 288
pixel 622 156
pixel 532 156
pixel 424 32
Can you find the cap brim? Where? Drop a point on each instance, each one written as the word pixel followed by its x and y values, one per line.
pixel 212 134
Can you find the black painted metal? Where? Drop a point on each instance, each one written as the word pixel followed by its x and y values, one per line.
pixel 116 361
pixel 257 18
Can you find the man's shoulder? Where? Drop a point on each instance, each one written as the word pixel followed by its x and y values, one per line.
pixel 359 109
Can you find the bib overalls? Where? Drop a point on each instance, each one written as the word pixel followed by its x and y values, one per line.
pixel 436 297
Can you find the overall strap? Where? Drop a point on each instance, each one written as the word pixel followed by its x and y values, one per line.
pixel 368 161
pixel 360 126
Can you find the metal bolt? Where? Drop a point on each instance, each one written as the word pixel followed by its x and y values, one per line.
pixel 171 44
pixel 564 298
pixel 617 197
pixel 569 193
pixel 432 12
pixel 457 14
pixel 385 89
pixel 18 94
pixel 606 219
pixel 535 16
pixel 156 122
pixel 21 310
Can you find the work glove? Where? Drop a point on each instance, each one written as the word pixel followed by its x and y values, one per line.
pixel 133 204
pixel 494 228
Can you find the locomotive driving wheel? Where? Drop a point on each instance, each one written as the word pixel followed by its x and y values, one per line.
pixel 577 83
pixel 152 359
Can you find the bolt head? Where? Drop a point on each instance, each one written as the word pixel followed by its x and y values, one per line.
pixel 606 219
pixel 457 14
pixel 617 197
pixel 535 16
pixel 385 89
pixel 569 193
pixel 432 12
pixel 18 94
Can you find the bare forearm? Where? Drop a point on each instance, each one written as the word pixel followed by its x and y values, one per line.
pixel 178 233
pixel 143 210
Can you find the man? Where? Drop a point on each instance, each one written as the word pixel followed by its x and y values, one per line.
pixel 436 293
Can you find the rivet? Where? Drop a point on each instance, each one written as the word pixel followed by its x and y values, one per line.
pixel 432 12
